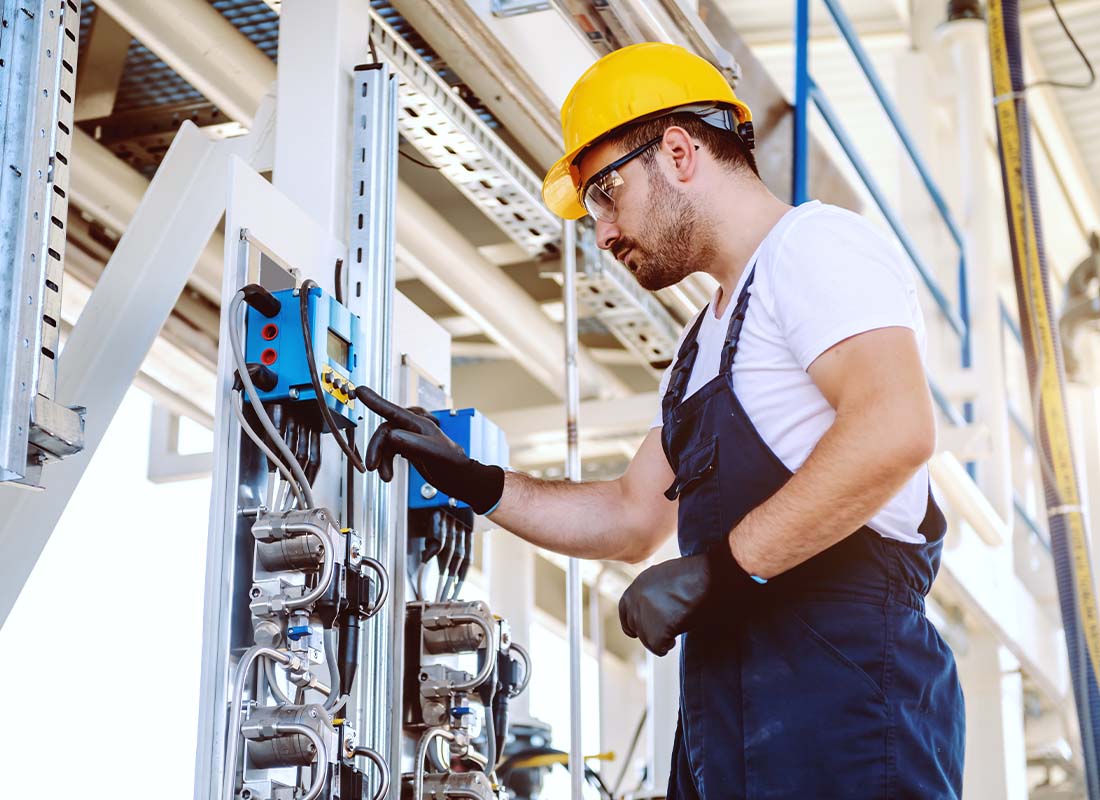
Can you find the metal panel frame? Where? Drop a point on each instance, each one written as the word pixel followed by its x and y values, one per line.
pixel 119 324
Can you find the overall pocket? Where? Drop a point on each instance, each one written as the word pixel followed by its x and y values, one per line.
pixel 816 724
pixel 697 487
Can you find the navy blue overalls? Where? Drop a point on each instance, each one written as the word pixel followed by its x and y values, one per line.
pixel 833 684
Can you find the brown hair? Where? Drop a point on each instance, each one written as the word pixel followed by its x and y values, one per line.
pixel 727 147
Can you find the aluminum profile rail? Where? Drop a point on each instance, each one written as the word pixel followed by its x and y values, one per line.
pixel 37 84
pixel 481 166
pixel 371 265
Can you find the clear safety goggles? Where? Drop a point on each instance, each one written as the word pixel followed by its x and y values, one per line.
pixel 598 193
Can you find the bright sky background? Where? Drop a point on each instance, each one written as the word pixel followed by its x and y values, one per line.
pixel 105 639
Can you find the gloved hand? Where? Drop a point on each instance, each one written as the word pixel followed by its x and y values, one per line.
pixel 676 595
pixel 416 435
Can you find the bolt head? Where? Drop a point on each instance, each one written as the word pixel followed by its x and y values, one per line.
pixel 427 491
pixel 294 393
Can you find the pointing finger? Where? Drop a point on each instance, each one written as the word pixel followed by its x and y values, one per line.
pixel 387 410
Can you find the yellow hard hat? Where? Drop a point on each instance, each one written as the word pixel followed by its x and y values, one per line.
pixel 624 86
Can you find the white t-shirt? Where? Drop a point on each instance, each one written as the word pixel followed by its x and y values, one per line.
pixel 823 274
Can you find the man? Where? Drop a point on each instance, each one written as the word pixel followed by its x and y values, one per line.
pixel 789 454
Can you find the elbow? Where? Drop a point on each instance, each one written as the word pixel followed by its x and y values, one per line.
pixel 641 547
pixel 912 450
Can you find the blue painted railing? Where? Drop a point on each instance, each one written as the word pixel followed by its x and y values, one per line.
pixel 807 92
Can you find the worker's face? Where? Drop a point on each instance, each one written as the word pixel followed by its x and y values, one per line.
pixel 657 231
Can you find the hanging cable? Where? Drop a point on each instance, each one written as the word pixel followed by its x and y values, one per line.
pixel 417 161
pixel 262 445
pixel 258 406
pixel 346 445
pixel 1084 58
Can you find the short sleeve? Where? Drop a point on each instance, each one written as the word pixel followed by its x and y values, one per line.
pixel 836 276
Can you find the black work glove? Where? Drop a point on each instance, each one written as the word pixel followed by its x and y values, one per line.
pixel 676 595
pixel 416 435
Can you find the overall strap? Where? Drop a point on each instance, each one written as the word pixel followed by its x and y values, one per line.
pixel 733 333
pixel 681 369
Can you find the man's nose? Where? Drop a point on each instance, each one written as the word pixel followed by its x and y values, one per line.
pixel 606 234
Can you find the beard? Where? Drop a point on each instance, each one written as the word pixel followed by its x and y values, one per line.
pixel 679 240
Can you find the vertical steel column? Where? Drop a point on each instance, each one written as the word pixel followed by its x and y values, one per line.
pixel 370 295
pixel 573 595
pixel 800 164
pixel 37 82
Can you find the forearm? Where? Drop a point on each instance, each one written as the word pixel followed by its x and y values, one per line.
pixel 585 520
pixel 848 477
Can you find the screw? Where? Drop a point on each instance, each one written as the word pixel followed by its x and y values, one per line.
pixel 313 713
pixel 427 491
pixel 452 503
pixel 294 394
pixel 255 593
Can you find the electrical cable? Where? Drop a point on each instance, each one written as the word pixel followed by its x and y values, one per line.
pixel 262 445
pixel 444 566
pixel 1088 64
pixel 416 161
pixel 329 638
pixel 346 445
pixel 526 657
pixel 254 398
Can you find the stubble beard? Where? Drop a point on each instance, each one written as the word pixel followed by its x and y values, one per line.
pixel 680 239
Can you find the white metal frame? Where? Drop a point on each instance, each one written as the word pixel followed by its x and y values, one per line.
pixel 118 326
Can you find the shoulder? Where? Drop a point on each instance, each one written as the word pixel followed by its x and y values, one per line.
pixel 829 242
pixel 826 224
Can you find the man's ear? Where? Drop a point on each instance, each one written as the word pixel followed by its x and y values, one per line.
pixel 680 147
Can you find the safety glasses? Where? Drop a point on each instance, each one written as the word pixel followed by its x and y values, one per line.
pixel 598 194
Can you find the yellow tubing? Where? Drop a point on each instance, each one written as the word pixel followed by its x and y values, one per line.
pixel 1037 321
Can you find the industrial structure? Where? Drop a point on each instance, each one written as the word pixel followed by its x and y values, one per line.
pixel 248 208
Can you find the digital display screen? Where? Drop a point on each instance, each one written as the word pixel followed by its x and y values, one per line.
pixel 338 349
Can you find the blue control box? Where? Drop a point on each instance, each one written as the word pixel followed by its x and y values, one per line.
pixel 474 433
pixel 277 343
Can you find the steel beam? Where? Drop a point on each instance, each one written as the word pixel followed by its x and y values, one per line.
pixel 103 60
pixel 452 268
pixel 120 323
pixel 199 43
pixel 111 191
pixel 533 340
pixel 459 35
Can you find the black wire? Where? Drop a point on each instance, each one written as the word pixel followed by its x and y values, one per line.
pixel 401 152
pixel 1088 64
pixel 348 446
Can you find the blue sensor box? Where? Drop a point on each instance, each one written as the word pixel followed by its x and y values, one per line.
pixel 277 343
pixel 474 433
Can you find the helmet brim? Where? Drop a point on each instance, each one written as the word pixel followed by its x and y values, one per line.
pixel 559 191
